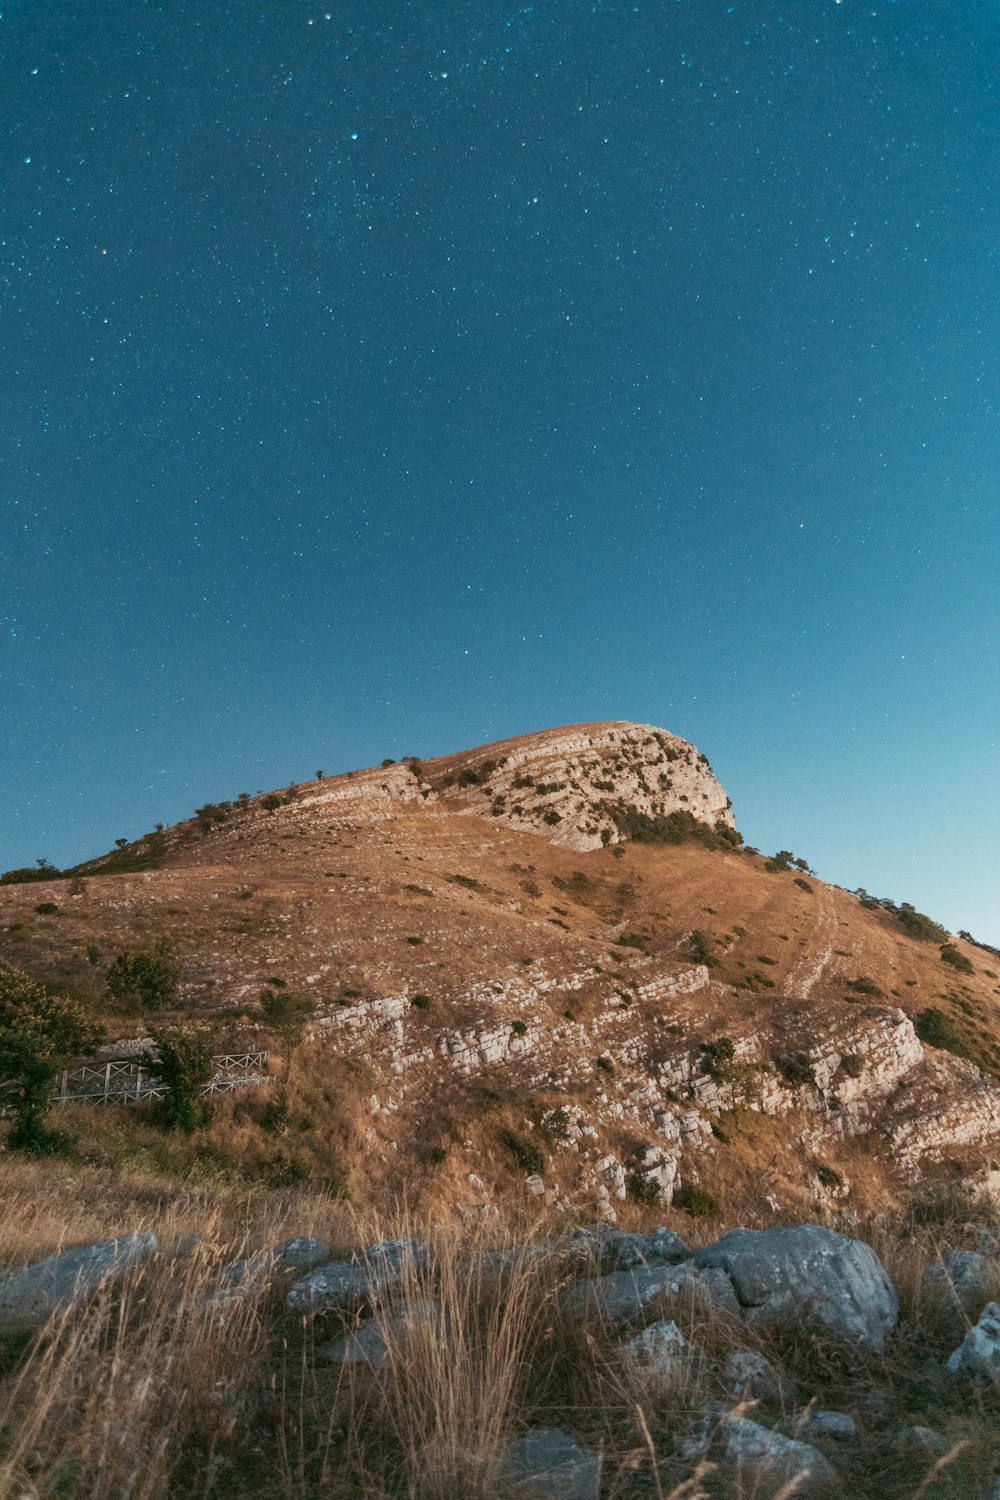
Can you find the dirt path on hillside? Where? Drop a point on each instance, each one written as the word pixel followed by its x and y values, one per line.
pixel 809 970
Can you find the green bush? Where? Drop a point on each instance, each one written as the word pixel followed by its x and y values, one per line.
pixel 918 926
pixel 148 980
pixel 49 909
pixel 700 950
pixel 605 1064
pixel 717 1056
pixel 949 955
pixel 184 1066
pixel 644 1190
pixel 863 986
pixel 695 1202
pixel 828 1177
pixel 803 885
pixel 421 1002
pixel 853 1065
pixel 518 1028
pixel 527 1155
pixel 796 1069
pixel 39 1035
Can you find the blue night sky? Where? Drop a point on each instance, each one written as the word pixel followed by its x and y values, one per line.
pixel 382 378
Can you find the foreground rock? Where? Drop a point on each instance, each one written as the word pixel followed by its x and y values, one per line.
pixel 779 1273
pixel 978 1355
pixel 958 1284
pixel 372 1343
pixel 549 1464
pixel 249 1276
pixel 767 1456
pixel 626 1296
pixel 32 1294
pixel 346 1285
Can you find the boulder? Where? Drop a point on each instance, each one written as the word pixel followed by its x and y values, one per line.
pixel 370 1344
pixel 549 1464
pixel 978 1355
pixel 32 1294
pixel 350 1284
pixel 771 1458
pixel 621 1249
pixel 921 1442
pixel 829 1424
pixel 664 1357
pixel 778 1273
pixel 751 1375
pixel 624 1296
pixel 959 1283
pixel 250 1276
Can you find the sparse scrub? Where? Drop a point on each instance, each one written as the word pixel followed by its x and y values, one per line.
pixel 144 981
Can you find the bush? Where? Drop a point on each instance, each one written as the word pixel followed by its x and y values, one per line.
pixel 949 953
pixel 863 986
pixel 796 1069
pixel 828 1177
pixel 698 945
pixel 147 980
pixel 644 1190
pixel 39 1034
pixel 605 1064
pixel 49 909
pixel 184 1066
pixel 803 885
pixel 421 1002
pixel 717 1056
pixel 527 1155
pixel 518 1028
pixel 924 929
pixel 853 1065
pixel 936 1028
pixel 696 1202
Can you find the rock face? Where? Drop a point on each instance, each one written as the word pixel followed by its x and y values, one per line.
pixel 580 785
pixel 624 1296
pixel 778 1272
pixel 32 1294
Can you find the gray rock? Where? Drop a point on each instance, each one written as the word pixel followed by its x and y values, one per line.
pixel 350 1284
pixel 750 1374
pixel 370 1344
pixel 302 1254
pixel 978 1355
pixel 989 1243
pixel 344 1284
pixel 622 1249
pixel 624 1296
pixel 32 1294
pixel 959 1282
pixel 922 1442
pixel 665 1358
pixel 782 1272
pixel 549 1464
pixel 829 1424
pixel 767 1455
pixel 365 1346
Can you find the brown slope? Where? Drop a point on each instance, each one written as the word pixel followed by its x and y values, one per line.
pixel 366 890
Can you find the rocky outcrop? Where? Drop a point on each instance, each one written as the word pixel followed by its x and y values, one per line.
pixel 32 1294
pixel 778 1273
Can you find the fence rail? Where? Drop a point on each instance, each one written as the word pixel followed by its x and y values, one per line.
pixel 133 1079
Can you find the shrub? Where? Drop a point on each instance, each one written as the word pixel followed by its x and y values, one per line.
pixel 183 1066
pixel 695 1202
pixel 949 953
pixel 796 1069
pixel 863 986
pixel 828 1177
pixel 518 1028
pixel 803 885
pixel 918 926
pixel 49 909
pixel 853 1065
pixel 414 941
pixel 552 817
pixel 717 1056
pixel 631 940
pixel 644 1190
pixel 286 1013
pixel 39 1034
pixel 605 1064
pixel 148 980
pixel 421 1002
pixel 936 1028
pixel 527 1155
pixel 698 945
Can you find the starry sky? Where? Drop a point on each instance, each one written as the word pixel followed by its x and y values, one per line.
pixel 382 378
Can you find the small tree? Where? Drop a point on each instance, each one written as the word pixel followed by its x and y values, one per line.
pixel 184 1066
pixel 286 1013
pixel 147 980
pixel 39 1034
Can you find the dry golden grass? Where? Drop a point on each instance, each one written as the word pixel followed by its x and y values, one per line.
pixel 146 1392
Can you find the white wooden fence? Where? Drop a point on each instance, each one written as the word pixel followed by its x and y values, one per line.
pixel 130 1079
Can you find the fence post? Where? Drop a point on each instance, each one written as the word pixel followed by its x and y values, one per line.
pixel 107 1081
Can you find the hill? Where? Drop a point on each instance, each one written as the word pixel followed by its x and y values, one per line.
pixel 549 962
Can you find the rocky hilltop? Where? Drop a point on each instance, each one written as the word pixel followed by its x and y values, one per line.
pixel 548 964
